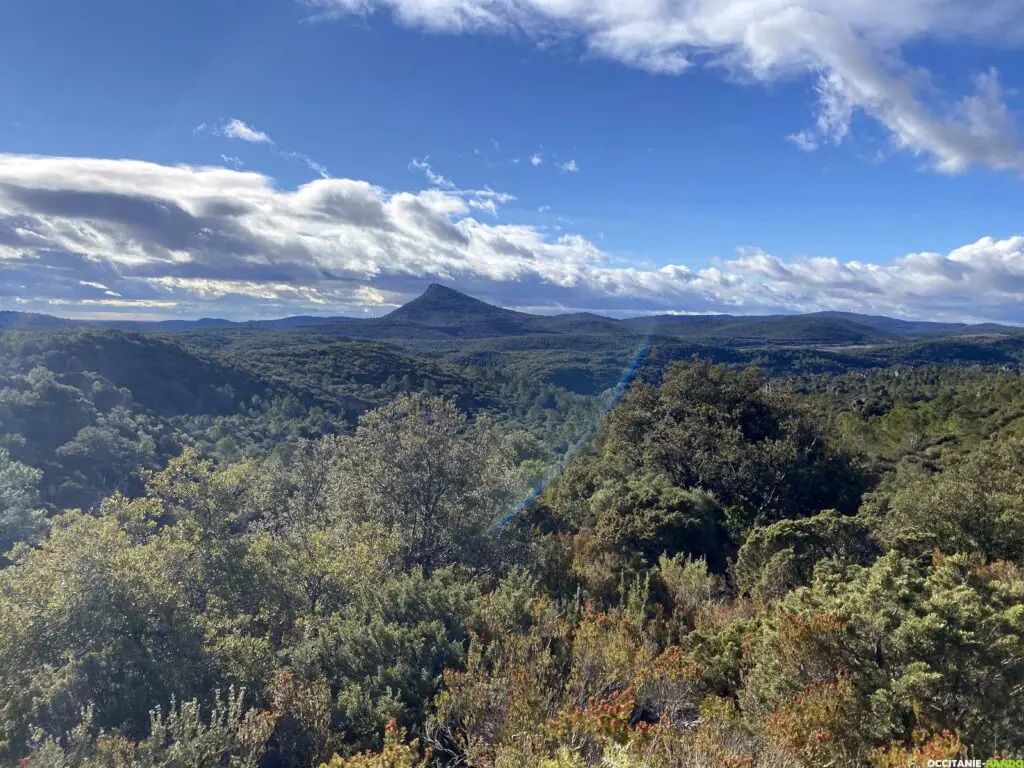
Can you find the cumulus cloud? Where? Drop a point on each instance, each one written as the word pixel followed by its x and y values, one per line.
pixel 84 234
pixel 570 167
pixel 536 159
pixel 852 47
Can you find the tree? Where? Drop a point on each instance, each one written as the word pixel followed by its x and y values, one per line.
pixel 419 466
pixel 975 505
pixel 649 517
pixel 100 614
pixel 779 557
pixel 21 518
pixel 923 646
pixel 752 454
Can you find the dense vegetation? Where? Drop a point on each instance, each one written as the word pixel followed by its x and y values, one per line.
pixel 219 549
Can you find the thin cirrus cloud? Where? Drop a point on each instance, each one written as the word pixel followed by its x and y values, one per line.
pixel 237 129
pixel 485 200
pixel 433 176
pixel 95 236
pixel 242 131
pixel 852 47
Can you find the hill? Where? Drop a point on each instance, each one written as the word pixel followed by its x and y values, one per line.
pixel 164 376
pixel 444 316
pixel 766 329
pixel 916 329
pixel 801 329
pixel 29 321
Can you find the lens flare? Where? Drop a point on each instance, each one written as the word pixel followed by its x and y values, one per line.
pixel 628 376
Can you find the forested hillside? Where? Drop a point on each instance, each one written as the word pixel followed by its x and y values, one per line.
pixel 281 547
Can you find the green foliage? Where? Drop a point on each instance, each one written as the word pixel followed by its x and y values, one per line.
pixel 86 442
pixel 779 557
pixel 415 465
pixel 94 616
pixel 242 574
pixel 936 646
pixel 21 518
pixel 976 505
pixel 689 585
pixel 693 465
pixel 183 738
pixel 396 753
pixel 706 584
pixel 647 517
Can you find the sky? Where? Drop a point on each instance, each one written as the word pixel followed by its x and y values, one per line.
pixel 265 158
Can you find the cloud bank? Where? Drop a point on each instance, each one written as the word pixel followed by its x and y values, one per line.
pixel 851 47
pixel 85 236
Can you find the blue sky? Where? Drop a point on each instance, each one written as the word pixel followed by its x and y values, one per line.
pixel 693 156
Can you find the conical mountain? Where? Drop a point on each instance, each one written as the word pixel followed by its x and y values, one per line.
pixel 445 310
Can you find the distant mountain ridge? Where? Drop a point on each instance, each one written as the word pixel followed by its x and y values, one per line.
pixel 443 313
pixel 32 321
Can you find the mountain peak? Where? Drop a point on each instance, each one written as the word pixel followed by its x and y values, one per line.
pixel 453 313
pixel 436 291
pixel 438 295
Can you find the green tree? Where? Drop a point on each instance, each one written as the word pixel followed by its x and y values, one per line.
pixel 751 453
pixel 418 465
pixel 777 558
pixel 648 517
pixel 936 646
pixel 99 615
pixel 21 518
pixel 975 505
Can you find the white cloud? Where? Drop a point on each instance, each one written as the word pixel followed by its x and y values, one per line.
pixel 432 176
pixel 125 303
pixel 806 140
pixel 536 159
pixel 237 129
pixel 488 206
pixel 215 289
pixel 309 162
pixel 370 296
pixel 181 239
pixel 570 167
pixel 234 129
pixel 853 47
pixel 486 199
pixel 490 194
